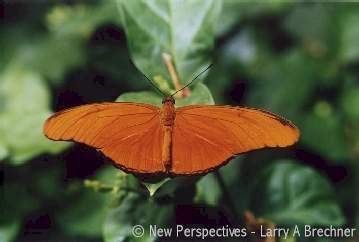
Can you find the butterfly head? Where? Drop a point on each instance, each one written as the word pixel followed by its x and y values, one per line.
pixel 168 99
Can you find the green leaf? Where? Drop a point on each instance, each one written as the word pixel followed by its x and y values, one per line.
pixel 208 190
pixel 25 190
pixel 39 56
pixel 350 103
pixel 153 187
pixel 180 188
pixel 80 20
pixel 356 201
pixel 288 193
pixel 9 230
pixel 156 27
pixel 275 78
pixel 84 217
pixel 199 95
pixel 235 11
pixel 17 200
pixel 24 109
pixel 349 50
pixel 34 142
pixel 315 129
pixel 23 91
pixel 141 97
pixel 4 152
pixel 87 209
pixel 37 52
pixel 315 26
pixel 135 210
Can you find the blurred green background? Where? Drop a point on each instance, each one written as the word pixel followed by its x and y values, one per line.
pixel 299 60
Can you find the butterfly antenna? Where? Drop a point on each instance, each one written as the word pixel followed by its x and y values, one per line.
pixel 154 85
pixel 209 66
pixel 151 82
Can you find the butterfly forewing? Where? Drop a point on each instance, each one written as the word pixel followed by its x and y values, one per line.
pixel 205 137
pixel 128 133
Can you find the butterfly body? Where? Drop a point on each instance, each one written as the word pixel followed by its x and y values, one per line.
pixel 167 118
pixel 144 139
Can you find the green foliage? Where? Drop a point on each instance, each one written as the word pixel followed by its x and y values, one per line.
pixel 153 187
pixel 208 183
pixel 291 194
pixel 349 102
pixel 25 107
pixel 199 95
pixel 9 230
pixel 87 209
pixel 319 123
pixel 80 20
pixel 141 97
pixel 135 210
pixel 297 60
pixel 348 40
pixel 161 28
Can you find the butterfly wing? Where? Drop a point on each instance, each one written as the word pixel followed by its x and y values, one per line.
pixel 130 134
pixel 206 137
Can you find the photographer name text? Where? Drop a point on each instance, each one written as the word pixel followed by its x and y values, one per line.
pixel 306 231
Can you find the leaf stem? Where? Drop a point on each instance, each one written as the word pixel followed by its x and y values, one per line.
pixel 171 69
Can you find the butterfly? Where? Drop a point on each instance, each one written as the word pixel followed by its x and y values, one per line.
pixel 195 139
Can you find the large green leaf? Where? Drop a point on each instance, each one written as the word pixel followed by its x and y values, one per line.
pixel 289 193
pixel 24 109
pixel 157 27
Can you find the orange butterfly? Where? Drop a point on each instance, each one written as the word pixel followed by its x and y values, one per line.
pixel 144 139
